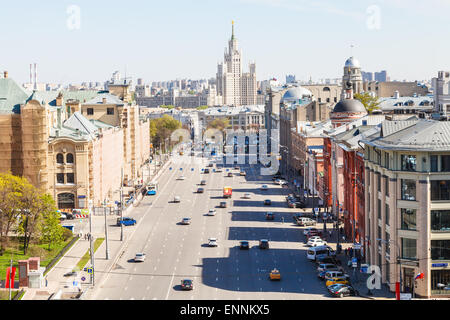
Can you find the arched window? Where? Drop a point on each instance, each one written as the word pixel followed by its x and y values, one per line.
pixel 326 89
pixel 69 158
pixel 59 158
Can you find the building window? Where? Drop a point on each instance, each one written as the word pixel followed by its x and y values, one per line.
pixel 90 111
pixel 60 178
pixel 59 158
pixel 386 160
pixel 408 162
pixel 434 163
pixel 408 189
pixel 379 181
pixel 408 219
pixel 69 158
pixel 379 208
pixel 110 111
pixel 386 186
pixel 70 178
pixel 409 248
pixel 386 213
pixel 440 220
pixel 440 281
pixel 379 232
pixel 440 190
pixel 387 243
pixel 445 163
pixel 440 249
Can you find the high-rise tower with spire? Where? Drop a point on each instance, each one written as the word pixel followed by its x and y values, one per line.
pixel 235 87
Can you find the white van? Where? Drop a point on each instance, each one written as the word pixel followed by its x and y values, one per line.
pixel 317 252
pixel 306 222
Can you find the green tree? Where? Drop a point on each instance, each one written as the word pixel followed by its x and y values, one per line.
pixel 169 106
pixel 52 232
pixel 202 107
pixel 162 128
pixel 219 123
pixel 370 102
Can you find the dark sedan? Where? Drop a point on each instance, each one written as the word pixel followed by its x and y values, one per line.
pixel 267 202
pixel 342 290
pixel 187 284
pixel 244 245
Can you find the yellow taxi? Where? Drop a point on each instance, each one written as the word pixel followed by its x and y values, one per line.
pixel 336 280
pixel 275 274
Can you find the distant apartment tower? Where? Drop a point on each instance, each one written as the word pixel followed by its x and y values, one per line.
pixel 381 76
pixel 442 93
pixel 235 87
pixel 367 76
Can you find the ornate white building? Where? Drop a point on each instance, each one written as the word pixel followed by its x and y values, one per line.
pixel 235 87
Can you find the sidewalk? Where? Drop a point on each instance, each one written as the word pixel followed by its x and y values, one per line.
pixel 357 279
pixel 60 287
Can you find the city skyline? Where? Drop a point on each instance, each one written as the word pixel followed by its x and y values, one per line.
pixel 282 36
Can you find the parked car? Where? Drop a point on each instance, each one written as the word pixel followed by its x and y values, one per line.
pixel 223 204
pixel 244 245
pixel 336 280
pixel 264 244
pixel 200 190
pixel 230 174
pixel 302 221
pixel 211 212
pixel 176 199
pixel 242 173
pixel 139 257
pixel 187 284
pixel 308 230
pixel 342 290
pixel 327 267
pixel 329 274
pixel 203 182
pixel 316 242
pixel 126 221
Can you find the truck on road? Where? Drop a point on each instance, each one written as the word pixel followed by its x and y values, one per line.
pixel 227 192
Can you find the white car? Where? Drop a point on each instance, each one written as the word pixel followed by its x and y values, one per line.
pixel 264 187
pixel 246 196
pixel 212 242
pixel 327 267
pixel 139 257
pixel 211 212
pixel 316 242
pixel 280 182
pixel 181 178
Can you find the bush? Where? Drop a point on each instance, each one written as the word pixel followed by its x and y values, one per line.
pixel 36 251
pixel 67 234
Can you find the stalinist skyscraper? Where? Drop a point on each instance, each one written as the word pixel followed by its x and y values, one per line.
pixel 235 87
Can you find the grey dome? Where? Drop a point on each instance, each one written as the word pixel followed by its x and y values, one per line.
pixel 349 105
pixel 296 93
pixel 352 63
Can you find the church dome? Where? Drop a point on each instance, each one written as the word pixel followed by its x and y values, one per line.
pixel 294 94
pixel 352 63
pixel 349 105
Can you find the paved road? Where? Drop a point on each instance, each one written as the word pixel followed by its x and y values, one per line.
pixel 177 251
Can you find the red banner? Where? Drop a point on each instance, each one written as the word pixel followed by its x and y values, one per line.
pixel 10 275
pixel 397 290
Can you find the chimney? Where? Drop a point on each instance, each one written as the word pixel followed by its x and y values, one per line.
pixel 35 76
pixel 5 74
pixel 104 100
pixel 31 73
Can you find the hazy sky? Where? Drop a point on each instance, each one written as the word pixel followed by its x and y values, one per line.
pixel 80 40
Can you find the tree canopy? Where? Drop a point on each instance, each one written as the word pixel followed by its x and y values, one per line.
pixel 219 123
pixel 370 102
pixel 162 128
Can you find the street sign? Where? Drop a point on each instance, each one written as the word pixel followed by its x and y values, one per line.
pixel 405 296
pixel 354 262
pixel 90 270
pixel 181 169
pixel 170 168
pixel 192 169
pixel 83 278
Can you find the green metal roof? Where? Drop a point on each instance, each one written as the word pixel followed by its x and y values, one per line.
pixel 11 96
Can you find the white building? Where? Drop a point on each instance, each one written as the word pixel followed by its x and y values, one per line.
pixel 236 88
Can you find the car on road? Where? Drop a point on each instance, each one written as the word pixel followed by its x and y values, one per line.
pixel 218 169
pixel 276 177
pixel 176 199
pixel 302 221
pixel 181 178
pixel 244 245
pixel 327 267
pixel 186 221
pixel 275 274
pixel 71 274
pixel 62 216
pixel 210 164
pixel 230 174
pixel 211 212
pixel 316 242
pixel 139 257
pixel 246 196
pixel 206 170
pixel 333 274
pixel 280 182
pixel 336 280
pixel 306 231
pixel 212 242
pixel 267 202
pixel 236 168
pixel 264 244
pixel 126 221
pixel 223 204
pixel 187 284
pixel 270 216
pixel 264 187
pixel 342 290
pixel 203 182
pixel 242 173
pixel 200 190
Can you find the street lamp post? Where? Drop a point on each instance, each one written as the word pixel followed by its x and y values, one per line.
pixel 106 229
pixel 121 204
pixel 91 247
